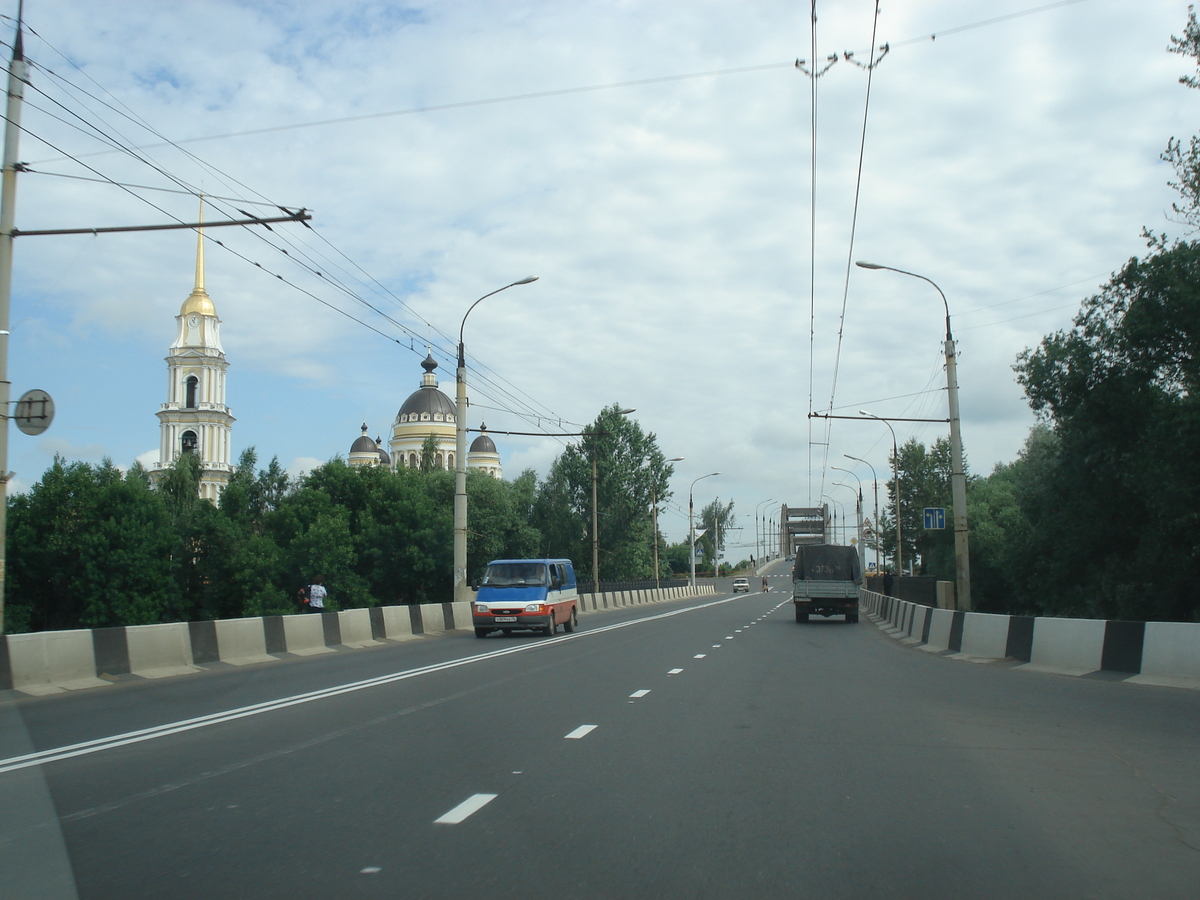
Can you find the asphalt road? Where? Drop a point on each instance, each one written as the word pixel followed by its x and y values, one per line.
pixel 697 749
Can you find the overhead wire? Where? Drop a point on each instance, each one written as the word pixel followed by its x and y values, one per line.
pixel 311 266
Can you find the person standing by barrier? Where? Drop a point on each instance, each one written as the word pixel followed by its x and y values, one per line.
pixel 317 595
pixel 887 582
pixel 764 584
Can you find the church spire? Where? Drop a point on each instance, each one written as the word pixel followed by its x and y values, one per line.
pixel 198 301
pixel 200 251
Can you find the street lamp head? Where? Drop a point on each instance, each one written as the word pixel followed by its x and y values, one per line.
pixel 625 412
pixel 529 280
pixel 868 265
pixel 674 459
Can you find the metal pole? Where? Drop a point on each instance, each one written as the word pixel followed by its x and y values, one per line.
pixel 461 591
pixel 595 528
pixel 958 476
pixel 896 476
pixel 692 527
pixel 8 199
pixel 958 480
pixel 654 536
pixel 875 487
pixel 757 509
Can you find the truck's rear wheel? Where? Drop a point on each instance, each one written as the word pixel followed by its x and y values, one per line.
pixel 801 616
pixel 851 618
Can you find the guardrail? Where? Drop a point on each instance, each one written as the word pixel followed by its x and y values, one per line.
pixel 1162 653
pixel 48 662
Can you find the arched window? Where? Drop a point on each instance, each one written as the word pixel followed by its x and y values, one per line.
pixel 439 460
pixel 412 460
pixel 191 385
pixel 187 442
pixel 449 460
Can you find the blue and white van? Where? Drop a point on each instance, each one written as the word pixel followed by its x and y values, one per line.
pixel 536 594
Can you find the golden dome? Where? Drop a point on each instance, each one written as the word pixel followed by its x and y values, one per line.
pixel 198 302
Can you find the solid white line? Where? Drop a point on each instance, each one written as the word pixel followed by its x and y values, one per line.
pixel 675 671
pixel 85 748
pixel 579 732
pixel 641 693
pixel 468 807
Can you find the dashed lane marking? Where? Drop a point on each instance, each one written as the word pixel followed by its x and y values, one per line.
pixel 579 732
pixel 675 671
pixel 700 656
pixel 642 693
pixel 467 808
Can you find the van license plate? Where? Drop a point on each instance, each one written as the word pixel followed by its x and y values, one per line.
pixel 506 618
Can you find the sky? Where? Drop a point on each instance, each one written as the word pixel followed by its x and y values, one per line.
pixel 652 162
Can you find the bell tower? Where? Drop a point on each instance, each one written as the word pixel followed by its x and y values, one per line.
pixel 195 418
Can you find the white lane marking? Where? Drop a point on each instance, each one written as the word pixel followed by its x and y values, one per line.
pixel 729 637
pixel 700 656
pixel 715 646
pixel 580 732
pixel 84 748
pixel 468 807
pixel 370 870
pixel 675 671
pixel 737 631
pixel 642 693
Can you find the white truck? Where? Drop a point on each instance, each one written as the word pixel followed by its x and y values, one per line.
pixel 825 582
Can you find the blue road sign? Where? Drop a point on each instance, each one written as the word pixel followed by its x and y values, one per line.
pixel 935 518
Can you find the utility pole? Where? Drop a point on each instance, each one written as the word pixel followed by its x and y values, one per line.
pixel 17 75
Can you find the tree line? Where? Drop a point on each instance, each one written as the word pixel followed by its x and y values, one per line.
pixel 92 546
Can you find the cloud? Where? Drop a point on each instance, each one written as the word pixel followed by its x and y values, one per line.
pixel 669 223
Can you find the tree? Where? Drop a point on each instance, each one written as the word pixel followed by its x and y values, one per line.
pixel 924 482
pixel 1119 391
pixel 716 519
pixel 1186 160
pixel 628 462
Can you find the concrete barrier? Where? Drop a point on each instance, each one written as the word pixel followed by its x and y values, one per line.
pixel 397 623
pixel 159 651
pixel 54 661
pixel 432 618
pixel 304 635
pixel 1170 654
pixel 242 642
pixel 1070 646
pixel 355 628
pixel 938 639
pixel 984 636
pixel 48 662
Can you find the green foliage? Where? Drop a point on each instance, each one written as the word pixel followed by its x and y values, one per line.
pixel 628 465
pixel 1185 160
pixel 1116 495
pixel 716 519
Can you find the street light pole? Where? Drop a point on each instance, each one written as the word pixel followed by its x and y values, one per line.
pixel 896 476
pixel 862 550
pixel 958 475
pixel 875 487
pixel 692 526
pixel 17 76
pixel 461 591
pixel 654 503
pixel 757 510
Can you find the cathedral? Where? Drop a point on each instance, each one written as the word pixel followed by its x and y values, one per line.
pixel 426 413
pixel 195 418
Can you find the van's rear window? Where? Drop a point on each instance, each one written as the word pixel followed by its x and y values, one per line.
pixel 512 574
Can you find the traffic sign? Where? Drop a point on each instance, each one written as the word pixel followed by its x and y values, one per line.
pixel 34 412
pixel 935 518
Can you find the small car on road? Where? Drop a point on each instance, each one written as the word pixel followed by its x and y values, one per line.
pixel 741 584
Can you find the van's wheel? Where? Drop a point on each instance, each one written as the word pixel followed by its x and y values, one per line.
pixel 801 616
pixel 552 627
pixel 481 632
pixel 572 622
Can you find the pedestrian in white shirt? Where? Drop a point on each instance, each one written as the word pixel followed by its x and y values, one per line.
pixel 317 595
